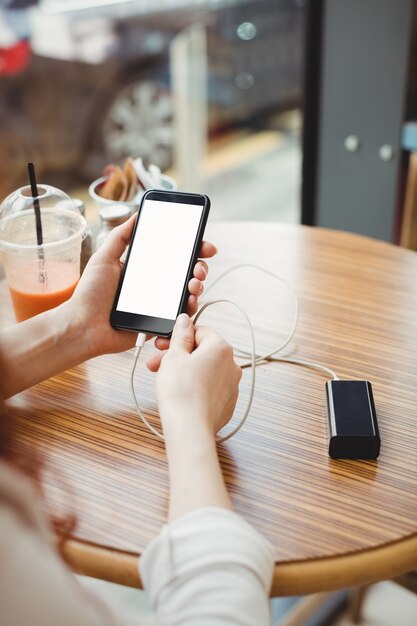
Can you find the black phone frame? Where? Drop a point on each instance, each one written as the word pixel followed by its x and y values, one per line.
pixel 121 320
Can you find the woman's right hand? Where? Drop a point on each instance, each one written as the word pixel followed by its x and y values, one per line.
pixel 198 378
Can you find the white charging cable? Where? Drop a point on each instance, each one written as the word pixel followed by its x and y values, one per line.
pixel 140 342
pixel 252 359
pixel 271 355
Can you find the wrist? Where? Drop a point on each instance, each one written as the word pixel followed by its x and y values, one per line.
pixel 195 475
pixel 40 347
pixel 71 334
pixel 187 424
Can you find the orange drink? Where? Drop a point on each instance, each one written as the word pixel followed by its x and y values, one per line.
pixel 29 304
pixel 41 277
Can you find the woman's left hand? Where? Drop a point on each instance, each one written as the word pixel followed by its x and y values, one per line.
pixel 92 300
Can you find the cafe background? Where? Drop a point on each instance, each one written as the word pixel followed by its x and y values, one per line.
pixel 235 99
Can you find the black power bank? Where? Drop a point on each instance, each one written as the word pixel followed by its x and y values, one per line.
pixel 353 425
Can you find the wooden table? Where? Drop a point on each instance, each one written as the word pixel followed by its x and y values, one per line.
pixel 334 524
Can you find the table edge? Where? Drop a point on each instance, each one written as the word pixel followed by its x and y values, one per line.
pixel 296 578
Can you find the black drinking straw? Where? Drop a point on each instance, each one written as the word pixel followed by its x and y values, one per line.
pixel 37 209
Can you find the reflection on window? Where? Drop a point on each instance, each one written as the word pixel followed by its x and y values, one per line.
pixel 86 83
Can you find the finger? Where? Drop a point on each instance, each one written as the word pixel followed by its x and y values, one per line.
pixel 207 250
pixel 183 334
pixel 154 362
pixel 116 242
pixel 208 340
pixel 192 305
pixel 195 287
pixel 206 335
pixel 162 343
pixel 201 270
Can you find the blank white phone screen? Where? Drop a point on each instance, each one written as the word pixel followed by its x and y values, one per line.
pixel 159 259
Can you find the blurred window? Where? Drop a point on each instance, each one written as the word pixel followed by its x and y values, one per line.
pixel 208 91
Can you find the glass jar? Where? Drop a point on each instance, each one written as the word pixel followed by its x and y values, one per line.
pixel 110 217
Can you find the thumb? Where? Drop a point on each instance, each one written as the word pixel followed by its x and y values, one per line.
pixel 183 334
pixel 117 241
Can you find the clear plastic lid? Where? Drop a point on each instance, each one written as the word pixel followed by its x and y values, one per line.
pixel 48 197
pixel 53 203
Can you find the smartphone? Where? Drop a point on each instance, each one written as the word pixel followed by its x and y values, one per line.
pixel 164 248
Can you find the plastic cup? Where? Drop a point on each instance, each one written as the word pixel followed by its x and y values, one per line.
pixel 41 277
pixel 167 183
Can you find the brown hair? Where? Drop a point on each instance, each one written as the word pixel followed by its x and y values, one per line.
pixel 32 464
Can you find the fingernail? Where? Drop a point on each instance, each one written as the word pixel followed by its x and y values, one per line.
pixel 183 321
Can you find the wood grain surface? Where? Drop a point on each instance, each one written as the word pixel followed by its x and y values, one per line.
pixel 358 315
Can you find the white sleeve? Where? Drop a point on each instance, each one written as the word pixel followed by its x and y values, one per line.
pixel 209 567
